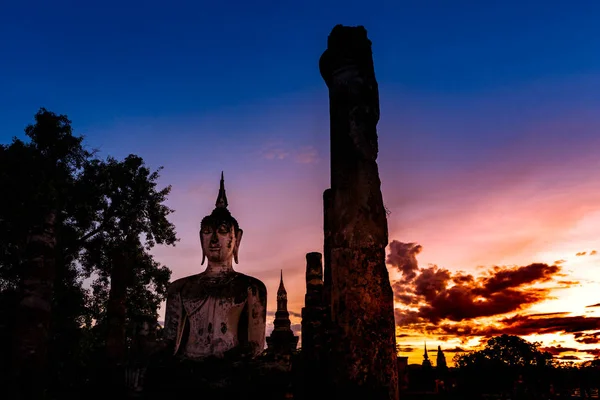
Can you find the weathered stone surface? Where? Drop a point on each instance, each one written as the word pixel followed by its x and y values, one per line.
pixel 327 210
pixel 440 364
pixel 314 277
pixel 314 333
pixel 363 348
pixel 314 313
pixel 220 311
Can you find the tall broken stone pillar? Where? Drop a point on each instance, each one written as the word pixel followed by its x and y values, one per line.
pixel 363 356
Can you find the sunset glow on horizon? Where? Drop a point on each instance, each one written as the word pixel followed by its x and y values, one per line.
pixel 489 142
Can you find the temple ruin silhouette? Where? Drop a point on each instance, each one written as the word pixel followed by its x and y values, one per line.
pixel 214 318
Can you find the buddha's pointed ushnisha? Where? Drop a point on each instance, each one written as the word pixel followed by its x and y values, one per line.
pixel 222 196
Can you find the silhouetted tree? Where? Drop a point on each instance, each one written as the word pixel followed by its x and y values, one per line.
pixel 133 220
pixel 66 209
pixel 507 356
pixel 38 176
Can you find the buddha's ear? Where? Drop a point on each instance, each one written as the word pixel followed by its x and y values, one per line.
pixel 236 248
pixel 202 246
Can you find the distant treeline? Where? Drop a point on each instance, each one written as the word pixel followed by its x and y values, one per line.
pixel 511 366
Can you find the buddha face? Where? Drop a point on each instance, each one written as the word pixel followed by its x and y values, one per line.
pixel 220 242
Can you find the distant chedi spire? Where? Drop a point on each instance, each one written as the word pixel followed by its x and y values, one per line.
pixel 282 340
pixel 426 361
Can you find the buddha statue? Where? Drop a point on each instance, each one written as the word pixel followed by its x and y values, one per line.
pixel 218 312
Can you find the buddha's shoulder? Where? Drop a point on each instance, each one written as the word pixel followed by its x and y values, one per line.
pixel 178 284
pixel 251 282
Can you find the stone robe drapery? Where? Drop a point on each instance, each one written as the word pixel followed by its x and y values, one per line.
pixel 204 320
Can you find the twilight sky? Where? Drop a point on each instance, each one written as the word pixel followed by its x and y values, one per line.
pixel 488 134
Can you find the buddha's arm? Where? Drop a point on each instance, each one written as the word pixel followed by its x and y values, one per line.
pixel 172 316
pixel 257 317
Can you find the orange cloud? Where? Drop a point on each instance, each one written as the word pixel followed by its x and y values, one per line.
pixel 522 325
pixel 436 301
pixel 583 253
pixel 455 350
pixel 434 294
pixel 568 283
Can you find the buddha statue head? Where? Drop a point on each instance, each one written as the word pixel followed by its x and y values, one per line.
pixel 220 234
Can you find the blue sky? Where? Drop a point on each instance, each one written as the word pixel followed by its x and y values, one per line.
pixel 103 60
pixel 489 117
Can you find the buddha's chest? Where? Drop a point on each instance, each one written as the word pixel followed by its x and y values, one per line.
pixel 213 325
pixel 212 316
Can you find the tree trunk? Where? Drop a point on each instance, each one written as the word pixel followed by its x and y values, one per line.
pixel 33 319
pixel 116 309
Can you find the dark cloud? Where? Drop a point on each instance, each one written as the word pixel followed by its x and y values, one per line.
pixel 593 305
pixel 569 358
pixel 406 317
pixel 405 349
pixel 548 314
pixel 592 352
pixel 557 262
pixel 522 325
pixel 505 278
pixel 557 350
pixel 525 325
pixel 438 294
pixel 588 337
pixel 404 257
pixel 593 253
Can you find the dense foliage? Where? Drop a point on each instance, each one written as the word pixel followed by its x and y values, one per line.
pixel 509 364
pixel 106 215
